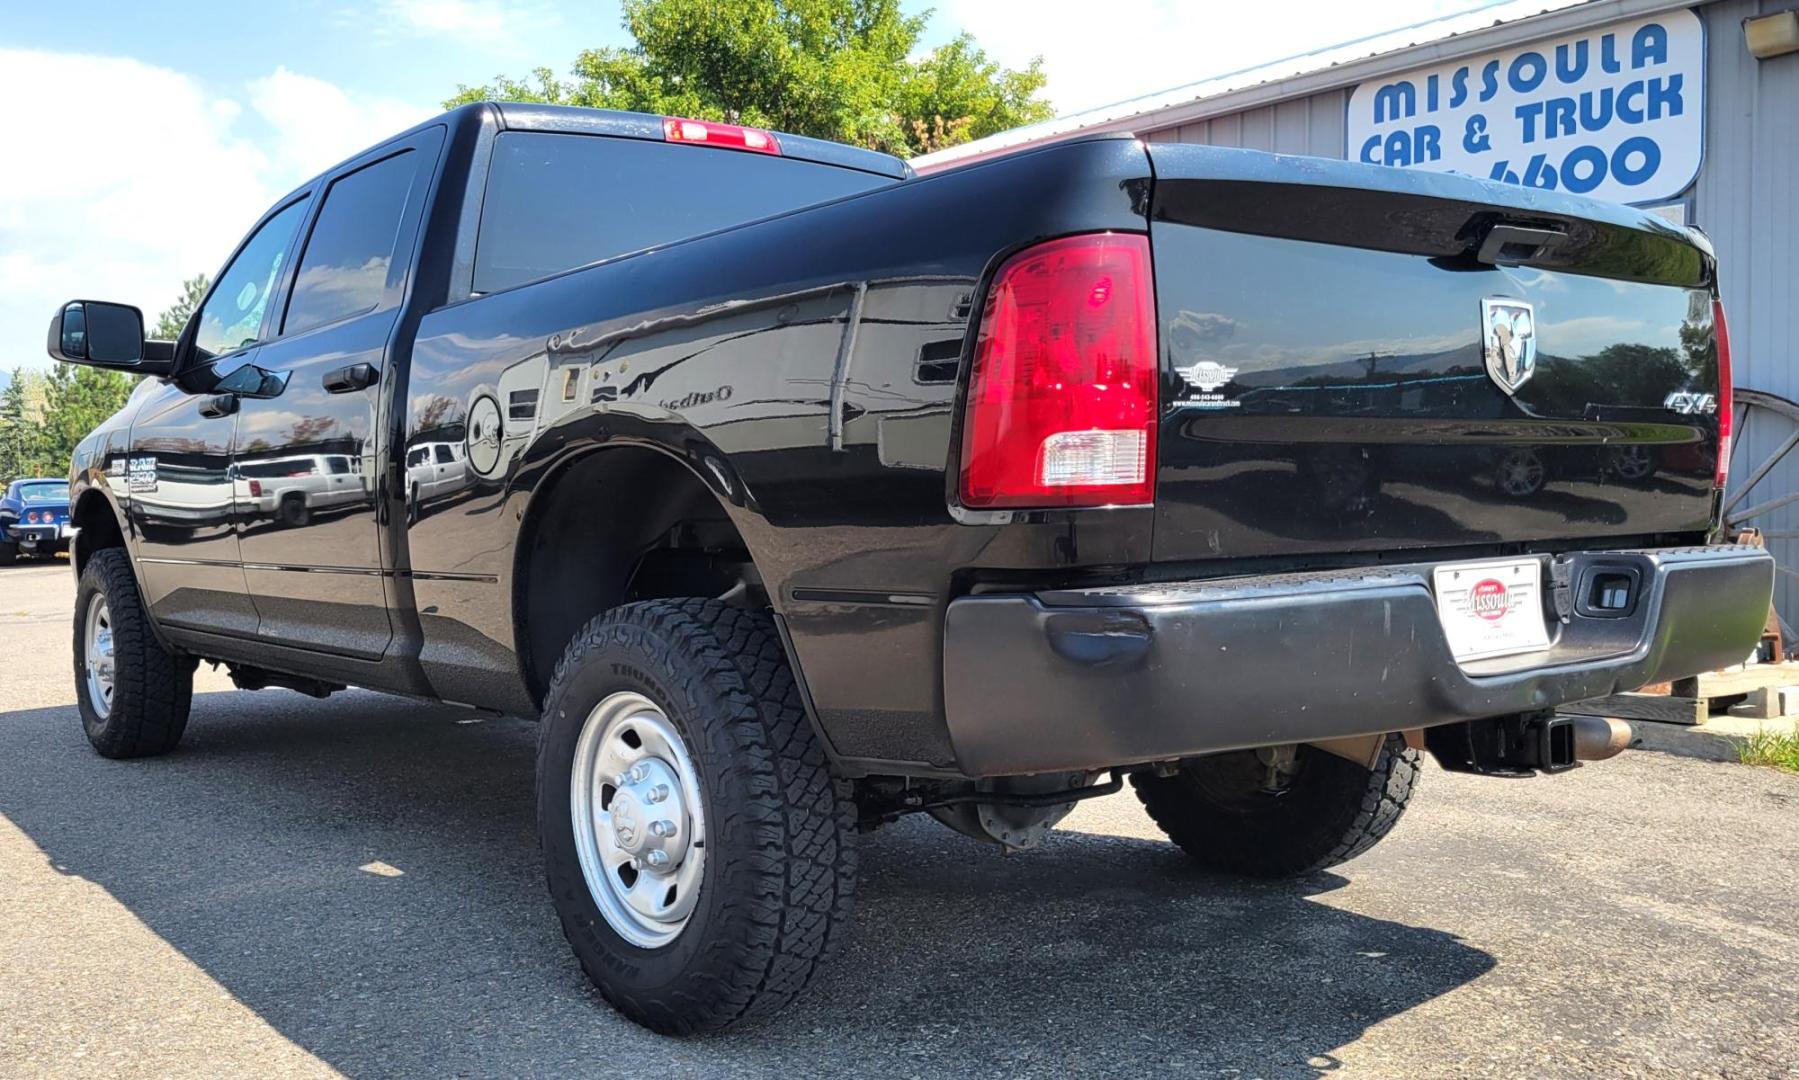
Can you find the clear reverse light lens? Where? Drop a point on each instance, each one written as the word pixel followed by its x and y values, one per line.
pixel 1093 457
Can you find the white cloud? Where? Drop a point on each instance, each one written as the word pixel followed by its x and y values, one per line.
pixel 1097 56
pixel 136 177
pixel 318 125
pixel 457 17
pixel 490 24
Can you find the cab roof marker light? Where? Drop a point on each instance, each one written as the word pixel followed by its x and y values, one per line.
pixel 729 136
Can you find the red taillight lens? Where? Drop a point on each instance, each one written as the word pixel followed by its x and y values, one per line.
pixel 705 132
pixel 1062 397
pixel 256 489
pixel 31 518
pixel 1726 397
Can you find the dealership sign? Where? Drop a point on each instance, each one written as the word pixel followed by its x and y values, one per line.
pixel 1616 113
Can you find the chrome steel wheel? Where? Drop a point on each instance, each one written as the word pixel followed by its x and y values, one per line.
pixel 639 821
pixel 98 653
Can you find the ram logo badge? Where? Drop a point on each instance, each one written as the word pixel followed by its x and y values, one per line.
pixel 1508 332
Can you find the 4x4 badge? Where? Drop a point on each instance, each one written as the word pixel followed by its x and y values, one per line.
pixel 1508 334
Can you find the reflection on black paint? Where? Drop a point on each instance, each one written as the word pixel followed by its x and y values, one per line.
pixel 1358 376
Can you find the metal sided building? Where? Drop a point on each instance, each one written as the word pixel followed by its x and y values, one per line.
pixel 1689 109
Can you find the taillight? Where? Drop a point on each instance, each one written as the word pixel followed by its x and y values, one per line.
pixel 31 517
pixel 1062 396
pixel 256 489
pixel 1726 398
pixel 731 136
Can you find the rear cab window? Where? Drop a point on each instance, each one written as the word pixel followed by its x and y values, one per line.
pixel 556 201
pixel 349 256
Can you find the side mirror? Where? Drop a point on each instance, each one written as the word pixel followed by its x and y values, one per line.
pixel 103 335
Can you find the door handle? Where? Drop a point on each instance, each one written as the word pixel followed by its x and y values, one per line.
pixel 218 405
pixel 349 378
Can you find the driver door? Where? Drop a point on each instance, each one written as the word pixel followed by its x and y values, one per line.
pixel 185 506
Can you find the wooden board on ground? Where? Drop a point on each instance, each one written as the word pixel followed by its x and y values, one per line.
pixel 1668 710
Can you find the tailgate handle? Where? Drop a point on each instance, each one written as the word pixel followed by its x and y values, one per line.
pixel 1517 244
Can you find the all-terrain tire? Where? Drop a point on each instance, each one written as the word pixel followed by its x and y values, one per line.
pixel 1331 810
pixel 152 687
pixel 780 862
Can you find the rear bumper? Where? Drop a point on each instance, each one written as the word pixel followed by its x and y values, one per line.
pixel 36 537
pixel 1083 679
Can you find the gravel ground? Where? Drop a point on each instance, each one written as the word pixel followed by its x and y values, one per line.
pixel 353 886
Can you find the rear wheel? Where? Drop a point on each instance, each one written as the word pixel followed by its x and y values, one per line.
pixel 9 553
pixel 1263 814
pixel 294 512
pixel 133 694
pixel 698 851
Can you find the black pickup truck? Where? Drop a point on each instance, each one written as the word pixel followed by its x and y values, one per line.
pixel 797 493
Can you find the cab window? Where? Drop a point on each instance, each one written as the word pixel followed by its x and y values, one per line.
pixel 232 316
pixel 345 268
pixel 557 201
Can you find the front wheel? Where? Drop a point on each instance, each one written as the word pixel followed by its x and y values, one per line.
pixel 698 851
pixel 1264 814
pixel 133 693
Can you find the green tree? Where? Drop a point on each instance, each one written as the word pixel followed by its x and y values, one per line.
pixel 173 320
pixel 23 446
pixel 78 400
pixel 42 417
pixel 14 428
pixel 833 69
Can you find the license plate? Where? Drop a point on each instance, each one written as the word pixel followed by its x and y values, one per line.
pixel 66 531
pixel 1491 608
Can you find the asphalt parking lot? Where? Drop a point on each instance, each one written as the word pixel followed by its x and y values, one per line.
pixel 352 886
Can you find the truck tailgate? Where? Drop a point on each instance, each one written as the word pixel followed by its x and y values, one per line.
pixel 1365 358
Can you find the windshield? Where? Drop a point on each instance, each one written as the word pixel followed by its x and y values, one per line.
pixel 48 491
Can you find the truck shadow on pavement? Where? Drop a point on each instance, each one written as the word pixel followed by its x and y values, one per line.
pixel 245 851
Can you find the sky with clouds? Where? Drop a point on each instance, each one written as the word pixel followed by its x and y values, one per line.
pixel 144 138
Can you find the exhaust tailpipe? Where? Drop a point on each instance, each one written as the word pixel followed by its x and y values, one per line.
pixel 1599 737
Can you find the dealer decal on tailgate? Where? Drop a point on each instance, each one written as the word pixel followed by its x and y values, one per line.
pixel 1491 608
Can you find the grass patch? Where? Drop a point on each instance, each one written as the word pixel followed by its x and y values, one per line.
pixel 1771 748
